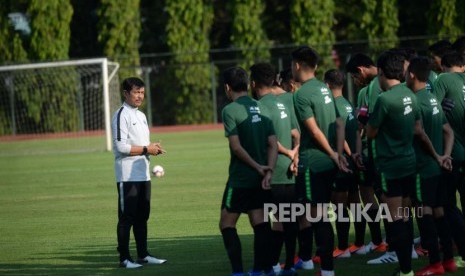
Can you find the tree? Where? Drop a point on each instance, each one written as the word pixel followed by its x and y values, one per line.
pixel 188 28
pixel 444 19
pixel 380 23
pixel 311 24
pixel 119 27
pixel 248 34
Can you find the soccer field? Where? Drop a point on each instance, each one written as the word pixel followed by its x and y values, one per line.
pixel 59 211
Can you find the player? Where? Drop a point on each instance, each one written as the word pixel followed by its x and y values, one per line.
pixel 320 153
pixel 253 147
pixel 132 148
pixel 262 77
pixel 346 184
pixel 430 191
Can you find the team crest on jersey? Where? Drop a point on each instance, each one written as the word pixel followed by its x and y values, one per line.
pixel 407 100
pixel 407 109
pixel 435 110
pixel 254 109
pixel 283 115
pixel 327 99
pixel 256 119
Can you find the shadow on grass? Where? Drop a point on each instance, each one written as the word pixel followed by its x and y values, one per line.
pixel 200 255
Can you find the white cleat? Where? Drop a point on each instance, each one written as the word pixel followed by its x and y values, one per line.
pixel 129 264
pixel 151 260
pixel 387 258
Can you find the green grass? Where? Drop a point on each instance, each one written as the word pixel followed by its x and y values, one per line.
pixel 58 210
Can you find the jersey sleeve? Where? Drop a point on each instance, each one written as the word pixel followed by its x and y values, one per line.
pixel 440 88
pixel 303 107
pixel 230 127
pixel 379 113
pixel 120 132
pixel 361 98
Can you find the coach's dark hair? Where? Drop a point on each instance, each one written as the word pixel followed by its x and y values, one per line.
pixel 453 59
pixel 421 67
pixel 263 74
pixel 440 48
pixel 408 53
pixel 129 83
pixel 334 78
pixel 392 64
pixel 306 55
pixel 236 78
pixel 286 75
pixel 358 60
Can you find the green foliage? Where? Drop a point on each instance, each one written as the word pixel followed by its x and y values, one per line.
pixel 188 27
pixel 380 23
pixel 50 21
pixel 311 24
pixel 119 28
pixel 444 19
pixel 248 33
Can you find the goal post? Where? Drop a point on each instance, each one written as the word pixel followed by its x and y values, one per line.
pixel 65 99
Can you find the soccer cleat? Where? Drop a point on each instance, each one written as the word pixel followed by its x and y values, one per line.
pixel 338 253
pixel 417 240
pixel 277 268
pixel 305 265
pixel 129 264
pixel 325 273
pixel 406 274
pixel 387 258
pixel 459 262
pixel 432 269
pixel 449 265
pixel 359 250
pixel 382 247
pixel 414 253
pixel 151 260
pixel 316 259
pixel 421 251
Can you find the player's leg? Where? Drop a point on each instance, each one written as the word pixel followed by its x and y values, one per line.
pixel 339 197
pixel 359 220
pixel 324 235
pixel 228 219
pixel 289 228
pixel 127 211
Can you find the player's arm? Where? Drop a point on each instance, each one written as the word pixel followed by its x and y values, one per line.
pixel 319 137
pixel 242 154
pixel 376 118
pixel 425 142
pixel 448 139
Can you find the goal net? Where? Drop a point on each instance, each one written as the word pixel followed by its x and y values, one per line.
pixel 70 101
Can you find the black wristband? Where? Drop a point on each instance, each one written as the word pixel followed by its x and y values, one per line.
pixel 144 151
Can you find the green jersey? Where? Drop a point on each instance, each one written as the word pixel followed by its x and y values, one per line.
pixel 288 100
pixel 433 119
pixel 452 86
pixel 346 111
pixel 394 115
pixel 281 118
pixel 244 118
pixel 430 82
pixel 314 99
pixel 369 94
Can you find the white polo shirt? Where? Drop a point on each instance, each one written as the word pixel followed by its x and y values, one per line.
pixel 129 127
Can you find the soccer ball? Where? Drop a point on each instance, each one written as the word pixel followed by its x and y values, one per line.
pixel 158 171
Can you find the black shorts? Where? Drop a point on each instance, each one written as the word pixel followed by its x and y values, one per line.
pixel 283 193
pixel 242 200
pixel 314 187
pixel 346 183
pixel 404 186
pixel 431 191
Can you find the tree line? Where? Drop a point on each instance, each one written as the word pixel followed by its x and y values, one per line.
pixel 126 30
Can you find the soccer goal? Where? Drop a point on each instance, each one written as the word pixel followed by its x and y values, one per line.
pixel 67 99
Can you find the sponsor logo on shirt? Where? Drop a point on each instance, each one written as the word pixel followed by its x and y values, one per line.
pixel 407 100
pixel 256 119
pixel 283 115
pixel 433 102
pixel 280 106
pixel 327 99
pixel 435 110
pixel 407 109
pixel 324 91
pixel 463 90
